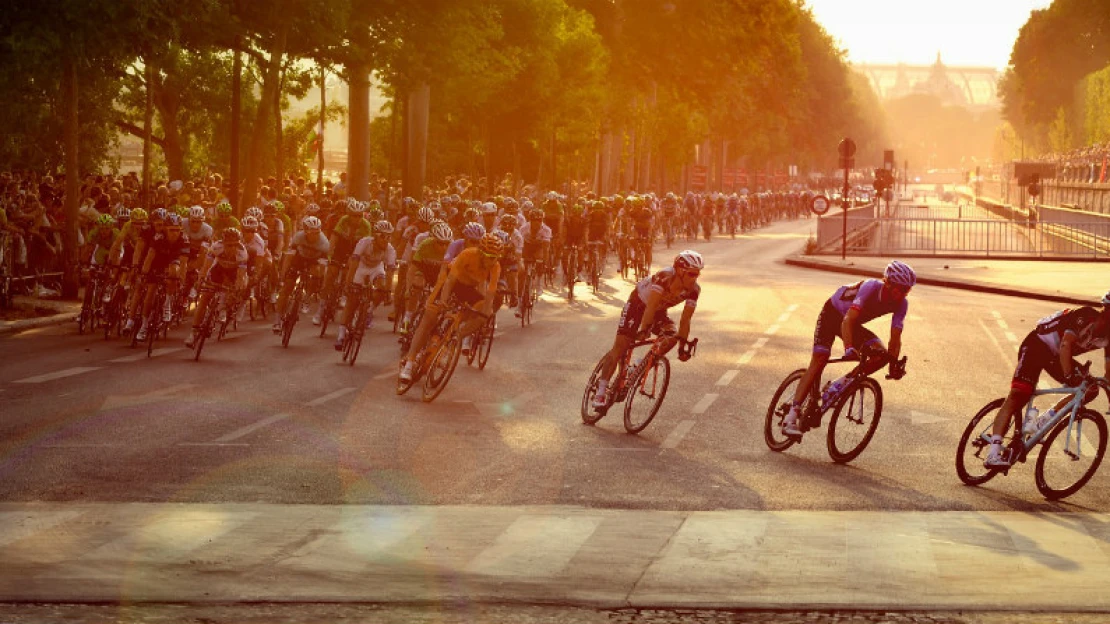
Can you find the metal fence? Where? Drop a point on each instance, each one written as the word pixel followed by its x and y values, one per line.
pixel 968 230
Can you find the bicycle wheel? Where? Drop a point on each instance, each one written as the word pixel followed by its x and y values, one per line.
pixel 154 325
pixel 590 416
pixel 202 335
pixel 1071 454
pixel 486 345
pixel 84 317
pixel 443 366
pixel 648 389
pixel 354 335
pixel 328 311
pixel 974 445
pixel 293 310
pixel 855 419
pixel 780 404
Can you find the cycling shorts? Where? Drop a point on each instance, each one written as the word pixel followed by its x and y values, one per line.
pixel 531 251
pixel 1034 356
pixel 643 232
pixel 633 314
pixel 428 270
pixel 222 276
pixel 828 330
pixel 369 275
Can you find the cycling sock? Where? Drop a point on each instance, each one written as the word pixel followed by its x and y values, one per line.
pixel 996 439
pixel 602 384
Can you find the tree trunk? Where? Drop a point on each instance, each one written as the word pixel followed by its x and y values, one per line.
pixel 73 175
pixel 358 133
pixel 236 114
pixel 262 116
pixel 416 162
pixel 279 160
pixel 148 128
pixel 323 123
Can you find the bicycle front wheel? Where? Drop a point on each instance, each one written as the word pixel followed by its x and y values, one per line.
pixel 780 404
pixel 648 389
pixel 486 345
pixel 1071 454
pixel 855 419
pixel 442 367
pixel 975 444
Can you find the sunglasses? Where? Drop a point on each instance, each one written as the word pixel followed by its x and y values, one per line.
pixel 694 274
pixel 488 255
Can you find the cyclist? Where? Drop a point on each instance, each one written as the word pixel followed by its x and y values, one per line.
pixel 1052 347
pixel 349 230
pixel 308 250
pixel 843 316
pixel 373 262
pixel 163 258
pixel 646 311
pixel 642 219
pixel 472 279
pixel 471 233
pixel 224 266
pixel 424 266
pixel 224 219
pixel 575 237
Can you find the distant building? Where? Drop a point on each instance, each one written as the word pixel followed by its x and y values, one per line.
pixel 973 87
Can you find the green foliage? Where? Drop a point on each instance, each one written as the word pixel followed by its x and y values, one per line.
pixel 1059 132
pixel 1093 107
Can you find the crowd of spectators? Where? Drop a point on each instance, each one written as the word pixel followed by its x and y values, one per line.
pixel 1087 165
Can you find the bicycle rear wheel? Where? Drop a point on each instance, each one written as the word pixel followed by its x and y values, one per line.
pixel 855 419
pixel 590 416
pixel 645 395
pixel 486 345
pixel 1071 454
pixel 780 404
pixel 975 444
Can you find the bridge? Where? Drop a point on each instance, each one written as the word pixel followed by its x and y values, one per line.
pixel 974 87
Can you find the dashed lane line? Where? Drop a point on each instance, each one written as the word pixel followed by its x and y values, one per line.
pixel 329 396
pixel 762 342
pixel 772 330
pixel 746 357
pixel 138 357
pixel 678 434
pixel 704 403
pixel 249 429
pixel 1001 350
pixel 1011 337
pixel 68 372
pixel 392 372
pixel 727 378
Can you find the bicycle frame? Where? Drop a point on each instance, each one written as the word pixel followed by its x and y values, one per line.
pixel 1069 411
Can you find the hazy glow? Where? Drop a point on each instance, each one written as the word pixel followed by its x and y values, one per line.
pixel 964 32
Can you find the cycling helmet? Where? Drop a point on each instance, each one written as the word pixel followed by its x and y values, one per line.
pixel 159 214
pixel 471 214
pixel 232 234
pixel 527 205
pixel 688 259
pixel 383 227
pixel 536 214
pixel 311 209
pixel 491 245
pixel 426 215
pixel 435 206
pixel 489 208
pixel 122 213
pixel 250 224
pixel 473 231
pixel 255 211
pixel 504 236
pixel 1106 299
pixel 510 204
pixel 138 215
pixel 311 223
pixel 278 206
pixel 106 219
pixel 509 221
pixel 223 208
pixel 442 232
pixel 196 213
pixel 173 220
pixel 900 274
pixel 373 205
pixel 374 215
pixel 354 206
pixel 181 211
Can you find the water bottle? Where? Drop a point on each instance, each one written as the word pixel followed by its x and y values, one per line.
pixel 1029 426
pixel 831 390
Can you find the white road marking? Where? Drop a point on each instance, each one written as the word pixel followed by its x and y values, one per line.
pixel 1001 350
pixel 704 403
pixel 762 342
pixel 212 444
pixel 138 357
pixel 792 307
pixel 783 317
pixel 113 401
pixel 727 378
pixel 329 396
pixel 1011 337
pixel 772 330
pixel 392 372
pixel 170 535
pixel 676 436
pixel 1002 324
pixel 996 314
pixel 68 372
pixel 747 357
pixel 233 335
pixel 249 429
pixel 535 546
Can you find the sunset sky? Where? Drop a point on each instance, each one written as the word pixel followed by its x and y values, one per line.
pixel 965 32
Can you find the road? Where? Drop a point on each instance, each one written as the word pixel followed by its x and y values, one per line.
pixel 92 421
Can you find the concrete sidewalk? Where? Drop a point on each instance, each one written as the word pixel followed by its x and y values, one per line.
pixel 137 552
pixel 65 311
pixel 1069 282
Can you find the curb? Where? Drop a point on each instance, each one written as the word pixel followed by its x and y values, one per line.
pixel 944 283
pixel 8 327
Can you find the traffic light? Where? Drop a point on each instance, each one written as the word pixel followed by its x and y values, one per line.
pixel 884 179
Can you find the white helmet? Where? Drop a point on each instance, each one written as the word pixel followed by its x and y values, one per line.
pixel 489 208
pixel 250 223
pixel 311 209
pixel 311 223
pixel 688 259
pixel 255 211
pixel 900 274
pixel 196 213
pixel 442 232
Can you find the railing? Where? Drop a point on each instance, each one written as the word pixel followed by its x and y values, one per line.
pixel 984 230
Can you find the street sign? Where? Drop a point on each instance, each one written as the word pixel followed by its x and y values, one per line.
pixel 819 205
pixel 847 148
pixel 699 177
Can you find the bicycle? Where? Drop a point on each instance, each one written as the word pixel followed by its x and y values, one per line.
pixel 368 300
pixel 92 306
pixel 207 324
pixel 570 269
pixel 331 299
pixel 528 290
pixel 293 309
pixel 669 235
pixel 156 322
pixel 1068 423
pixel 437 361
pixel 482 344
pixel 595 264
pixel 849 405
pixel 648 377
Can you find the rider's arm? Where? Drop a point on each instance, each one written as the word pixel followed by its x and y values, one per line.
pixel 1067 345
pixel 848 325
pixel 684 322
pixel 448 286
pixel 895 344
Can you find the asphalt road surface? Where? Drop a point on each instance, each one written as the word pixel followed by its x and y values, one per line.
pixel 91 420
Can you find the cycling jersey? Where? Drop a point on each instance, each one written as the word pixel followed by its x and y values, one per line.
pixel 197 238
pixel 372 261
pixel 1080 323
pixel 661 283
pixel 301 246
pixel 543 235
pixel 867 298
pixel 576 228
pixel 166 251
pixel 453 249
pixel 428 249
pixel 352 228
pixel 102 237
pixel 468 270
